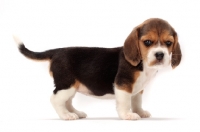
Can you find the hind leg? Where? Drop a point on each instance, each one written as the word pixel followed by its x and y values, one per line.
pixel 62 98
pixel 59 100
pixel 70 107
pixel 66 85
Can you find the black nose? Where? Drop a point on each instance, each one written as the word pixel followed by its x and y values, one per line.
pixel 159 55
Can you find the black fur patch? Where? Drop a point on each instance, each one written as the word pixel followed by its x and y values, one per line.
pixel 37 55
pixel 96 68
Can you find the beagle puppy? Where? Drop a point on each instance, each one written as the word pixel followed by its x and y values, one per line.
pixel 122 72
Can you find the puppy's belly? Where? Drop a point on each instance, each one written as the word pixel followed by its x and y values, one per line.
pixel 84 90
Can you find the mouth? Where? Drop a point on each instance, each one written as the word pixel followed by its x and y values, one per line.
pixel 156 63
pixel 159 62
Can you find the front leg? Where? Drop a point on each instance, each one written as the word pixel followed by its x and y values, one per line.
pixel 136 105
pixel 123 99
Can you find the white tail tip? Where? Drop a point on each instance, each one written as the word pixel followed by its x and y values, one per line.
pixel 17 40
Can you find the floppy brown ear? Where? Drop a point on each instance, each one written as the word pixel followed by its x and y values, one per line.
pixel 131 48
pixel 176 53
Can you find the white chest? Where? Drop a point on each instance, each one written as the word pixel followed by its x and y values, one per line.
pixel 143 79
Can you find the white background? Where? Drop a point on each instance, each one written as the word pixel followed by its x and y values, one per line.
pixel 25 87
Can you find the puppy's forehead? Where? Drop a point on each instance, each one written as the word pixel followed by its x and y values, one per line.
pixel 156 26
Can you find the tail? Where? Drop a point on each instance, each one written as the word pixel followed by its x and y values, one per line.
pixel 31 54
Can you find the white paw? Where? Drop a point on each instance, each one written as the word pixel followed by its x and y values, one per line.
pixel 81 114
pixel 131 116
pixel 69 116
pixel 144 114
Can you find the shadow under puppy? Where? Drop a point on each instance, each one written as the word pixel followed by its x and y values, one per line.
pixel 122 72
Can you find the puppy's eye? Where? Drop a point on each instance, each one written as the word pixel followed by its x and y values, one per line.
pixel 168 43
pixel 148 42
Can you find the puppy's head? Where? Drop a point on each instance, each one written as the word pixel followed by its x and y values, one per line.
pixel 154 42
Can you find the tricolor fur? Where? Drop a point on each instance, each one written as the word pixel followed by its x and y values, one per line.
pixel 122 72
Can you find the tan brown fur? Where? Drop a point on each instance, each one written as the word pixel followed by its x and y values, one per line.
pixel 50 72
pixel 76 84
pixel 129 87
pixel 136 75
pixel 141 92
pixel 134 49
pixel 135 43
pixel 153 36
pixel 125 87
pixel 131 48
